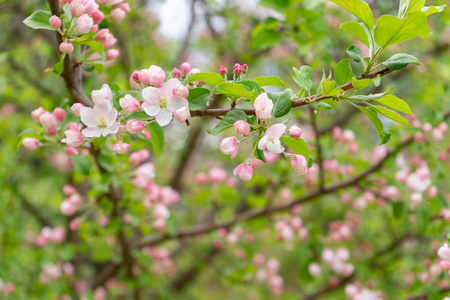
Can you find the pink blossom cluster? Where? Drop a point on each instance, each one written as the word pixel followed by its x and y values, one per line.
pixel 444 254
pixel 7 288
pixel 268 272
pixel 50 235
pixel 236 236
pixel 73 201
pixel 51 272
pixel 286 230
pixel 356 291
pixel 341 231
pixel 337 260
pixel 436 133
pixel 216 175
pixel 161 261
pixel 346 136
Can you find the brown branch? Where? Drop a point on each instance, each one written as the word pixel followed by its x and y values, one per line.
pixel 318 149
pixel 295 103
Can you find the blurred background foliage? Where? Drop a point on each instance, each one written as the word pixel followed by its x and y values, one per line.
pixel 270 36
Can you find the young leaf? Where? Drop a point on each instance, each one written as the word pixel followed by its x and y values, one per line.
pixel 259 154
pixel 391 115
pixel 251 85
pixel 371 96
pixel 400 61
pixel 329 88
pixel 198 98
pixel 357 30
pixel 39 20
pixel 423 214
pixel 358 8
pixel 156 138
pixel 271 80
pixel 59 67
pixel 429 10
pixel 355 53
pixel 228 121
pixel 211 78
pixel 303 77
pixel 343 72
pixel 409 6
pixel 234 90
pixel 297 145
pixel 391 30
pixel 282 103
pixel 395 103
pixel 322 106
pixel 81 164
pixel 97 47
pixel 371 113
pixel 265 38
pixel 361 83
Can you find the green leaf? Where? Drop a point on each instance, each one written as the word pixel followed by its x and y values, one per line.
pixel 228 121
pixel 371 113
pixel 210 78
pixel 271 80
pixel 81 164
pixel 280 5
pixel 391 115
pixel 303 77
pixel 259 154
pixel 59 67
pixel 156 138
pixel 135 94
pixel 398 209
pixel 409 6
pixel 234 90
pixel 399 61
pixel 429 10
pixel 370 97
pixel 442 201
pixel 359 9
pixel 97 47
pixel 355 53
pixel 361 83
pixel 343 72
pixel 423 214
pixel 282 103
pixel 99 142
pixel 39 20
pixel 265 38
pixel 139 115
pixel 391 30
pixel 299 146
pixel 329 88
pixel 251 85
pixel 198 98
pixel 395 103
pixel 322 106
pixel 357 30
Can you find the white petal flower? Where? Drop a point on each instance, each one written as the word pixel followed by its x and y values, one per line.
pixel 100 120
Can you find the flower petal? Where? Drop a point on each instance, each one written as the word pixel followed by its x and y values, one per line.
pixel 102 107
pixel 151 108
pixel 163 117
pixel 151 94
pixel 88 117
pixel 111 117
pixel 168 87
pixel 111 130
pixel 276 130
pixel 262 143
pixel 92 132
pixel 176 102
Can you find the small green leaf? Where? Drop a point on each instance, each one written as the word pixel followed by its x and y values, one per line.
pixel 398 209
pixel 282 103
pixel 399 61
pixel 59 67
pixel 39 20
pixel 371 113
pixel 429 10
pixel 370 97
pixel 156 138
pixel 81 164
pixel 303 77
pixel 409 6
pixel 259 154
pixel 329 88
pixel 299 146
pixel 355 53
pixel 391 115
pixel 423 214
pixel 264 38
pixel 357 30
pixel 359 84
pixel 97 47
pixel 359 8
pixel 210 78
pixel 396 103
pixel 322 106
pixel 198 98
pixel 391 30
pixel 251 85
pixel 228 121
pixel 234 90
pixel 271 80
pixel 343 72
pixel 442 201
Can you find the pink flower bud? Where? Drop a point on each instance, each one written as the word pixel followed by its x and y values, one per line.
pixel 55 22
pixel 242 127
pixel 159 224
pixel 68 190
pixel 185 68
pixel 348 136
pixel 314 269
pixel 146 134
pixel 120 147
pixel 74 138
pixel 437 135
pixel 71 151
pixel 222 70
pixel 76 108
pixel 432 191
pixel 443 127
pixel 66 47
pixel 182 114
pixel 74 224
pixel 300 164
pixel 117 14
pixel 244 171
pixel 59 113
pixel 112 54
pixel 181 91
pixel 97 16
pixel 103 35
pixel 176 73
pixel 229 145
pixel 109 42
pixel 263 106
pixel 427 127
pixel 67 208
pixel 244 68
pixel 201 178
pixel 75 199
pixel 35 114
pixel 102 221
pixel 295 132
pixel 129 103
pixel 84 24
pixel 77 8
pixel 125 7
pixel 30 143
pixel 237 69
pixel 135 126
pixel 49 122
pixel 218 175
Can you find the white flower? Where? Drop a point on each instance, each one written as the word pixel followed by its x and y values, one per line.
pixel 161 102
pixel 100 120
pixel 271 140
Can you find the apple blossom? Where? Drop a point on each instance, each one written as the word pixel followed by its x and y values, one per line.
pixel 295 132
pixel 76 108
pixel 185 68
pixel 30 143
pixel 55 22
pixel 182 114
pixel 66 47
pixel 59 113
pixel 37 113
pixel 67 208
pixel 77 8
pixel 129 103
pixel 74 138
pixel 135 126
pixel 263 106
pixel 49 122
pixel 120 147
pixel 242 127
pixel 125 7
pixel 244 171
pixel 112 54
pixel 155 76
pixel 100 120
pixel 84 24
pixel 181 91
pixel 104 93
pixel 117 14
pixel 229 145
pixel 97 16
pixel 161 103
pixel 217 175
pixel 271 140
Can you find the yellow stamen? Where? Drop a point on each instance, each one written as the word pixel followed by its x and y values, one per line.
pixel 163 102
pixel 101 122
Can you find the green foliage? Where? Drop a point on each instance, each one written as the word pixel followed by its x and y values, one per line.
pixel 399 61
pixel 303 77
pixel 359 9
pixel 39 20
pixel 282 103
pixel 234 90
pixel 198 98
pixel 228 121
pixel 299 146
pixel 211 78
